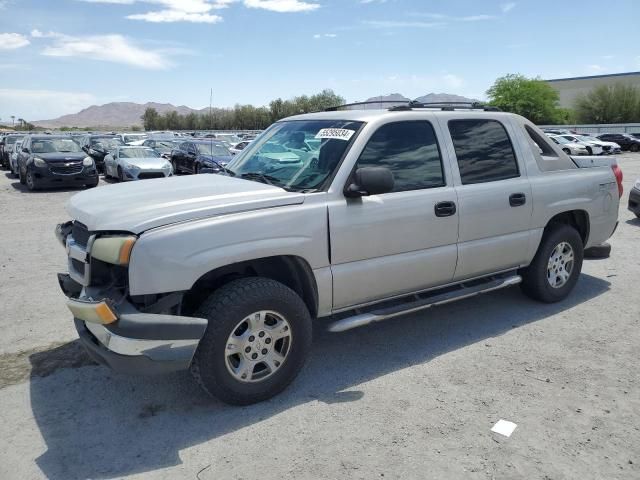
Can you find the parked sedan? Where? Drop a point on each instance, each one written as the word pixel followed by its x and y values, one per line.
pixel 13 157
pixel 608 147
pixel 162 146
pixel 54 161
pixel 7 145
pixel 239 147
pixel 98 146
pixel 136 163
pixel 634 198
pixel 626 141
pixel 593 147
pixel 194 156
pixel 569 147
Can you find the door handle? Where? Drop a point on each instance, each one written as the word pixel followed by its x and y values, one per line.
pixel 445 209
pixel 517 199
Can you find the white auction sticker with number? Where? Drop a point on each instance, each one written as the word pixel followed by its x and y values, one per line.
pixel 336 133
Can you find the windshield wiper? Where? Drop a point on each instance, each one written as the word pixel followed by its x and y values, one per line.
pixel 268 179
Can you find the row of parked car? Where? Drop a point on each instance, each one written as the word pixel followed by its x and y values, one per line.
pixel 43 160
pixel 574 143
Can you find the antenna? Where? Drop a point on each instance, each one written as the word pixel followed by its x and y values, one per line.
pixel 211 122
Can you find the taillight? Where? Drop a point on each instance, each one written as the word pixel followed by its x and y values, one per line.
pixel 617 171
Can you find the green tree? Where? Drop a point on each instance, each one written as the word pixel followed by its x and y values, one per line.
pixel 150 119
pixel 530 97
pixel 618 103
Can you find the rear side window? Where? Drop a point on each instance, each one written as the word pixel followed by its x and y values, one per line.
pixel 483 150
pixel 410 150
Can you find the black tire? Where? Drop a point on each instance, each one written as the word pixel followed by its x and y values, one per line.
pixel 534 277
pixel 634 148
pixel 567 151
pixel 31 182
pixel 224 309
pixel 20 176
pixel 589 150
pixel 120 175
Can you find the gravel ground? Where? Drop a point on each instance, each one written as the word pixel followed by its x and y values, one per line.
pixel 411 398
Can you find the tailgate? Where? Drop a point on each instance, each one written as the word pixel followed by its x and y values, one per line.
pixel 594 161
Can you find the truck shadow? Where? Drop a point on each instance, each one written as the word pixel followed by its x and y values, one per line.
pixel 97 424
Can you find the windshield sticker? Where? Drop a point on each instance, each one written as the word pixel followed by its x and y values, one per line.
pixel 336 133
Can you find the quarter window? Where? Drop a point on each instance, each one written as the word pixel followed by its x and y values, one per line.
pixel 410 150
pixel 483 150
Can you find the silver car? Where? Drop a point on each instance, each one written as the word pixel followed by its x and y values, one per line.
pixel 13 157
pixel 136 163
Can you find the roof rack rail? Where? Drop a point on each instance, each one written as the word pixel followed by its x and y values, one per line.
pixel 447 106
pixel 368 102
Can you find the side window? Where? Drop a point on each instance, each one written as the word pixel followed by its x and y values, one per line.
pixel 410 150
pixel 483 150
pixel 541 142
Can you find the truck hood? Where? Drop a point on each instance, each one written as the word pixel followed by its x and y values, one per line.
pixel 139 206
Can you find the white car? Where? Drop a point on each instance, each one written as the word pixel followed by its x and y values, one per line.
pixel 569 147
pixel 136 163
pixel 608 147
pixel 239 147
pixel 13 157
pixel 593 147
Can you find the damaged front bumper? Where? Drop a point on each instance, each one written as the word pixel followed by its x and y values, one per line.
pixel 132 341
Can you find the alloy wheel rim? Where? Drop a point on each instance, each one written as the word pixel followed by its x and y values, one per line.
pixel 258 346
pixel 560 265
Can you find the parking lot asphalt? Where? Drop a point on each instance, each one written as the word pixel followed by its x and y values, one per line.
pixel 413 397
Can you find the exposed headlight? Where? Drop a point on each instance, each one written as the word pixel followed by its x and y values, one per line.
pixel 130 167
pixel 38 162
pixel 87 162
pixel 115 250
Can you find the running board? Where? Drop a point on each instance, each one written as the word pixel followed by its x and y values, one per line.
pixel 423 302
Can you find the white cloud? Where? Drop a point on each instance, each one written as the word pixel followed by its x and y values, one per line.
pixel 507 7
pixel 111 48
pixel 325 35
pixel 168 16
pixel 282 6
pixel 400 24
pixel 467 18
pixel 11 41
pixel 595 68
pixel 41 104
pixel 194 11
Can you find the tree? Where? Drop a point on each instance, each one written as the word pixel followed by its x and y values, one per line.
pixel 618 103
pixel 150 118
pixel 530 97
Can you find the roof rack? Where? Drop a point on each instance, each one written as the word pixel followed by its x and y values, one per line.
pixel 410 105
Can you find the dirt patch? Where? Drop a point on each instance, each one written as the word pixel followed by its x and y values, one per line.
pixel 41 362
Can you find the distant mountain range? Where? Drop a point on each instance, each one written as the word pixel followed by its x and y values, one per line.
pixel 115 114
pixel 127 114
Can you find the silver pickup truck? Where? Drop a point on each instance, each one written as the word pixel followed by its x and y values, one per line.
pixel 354 215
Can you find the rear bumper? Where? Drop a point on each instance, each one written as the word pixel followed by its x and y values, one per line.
pixel 634 201
pixel 137 343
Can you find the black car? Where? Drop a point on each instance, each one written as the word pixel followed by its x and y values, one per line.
pixel 162 146
pixel 98 146
pixel 54 161
pixel 634 199
pixel 626 141
pixel 6 145
pixel 196 156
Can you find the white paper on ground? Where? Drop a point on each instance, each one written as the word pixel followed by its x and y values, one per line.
pixel 504 427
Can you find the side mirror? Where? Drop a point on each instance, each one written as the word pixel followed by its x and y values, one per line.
pixel 25 150
pixel 370 181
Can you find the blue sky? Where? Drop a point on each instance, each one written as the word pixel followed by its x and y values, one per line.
pixel 58 56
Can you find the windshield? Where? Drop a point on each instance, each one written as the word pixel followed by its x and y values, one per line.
pixel 163 147
pixel 138 153
pixel 213 149
pixel 586 138
pixel 53 145
pixel 298 154
pixel 133 138
pixel 11 140
pixel 106 143
pixel 561 140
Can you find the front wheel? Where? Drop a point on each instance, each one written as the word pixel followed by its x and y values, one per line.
pixel 634 148
pixel 567 151
pixel 21 176
pixel 257 340
pixel 556 266
pixel 31 181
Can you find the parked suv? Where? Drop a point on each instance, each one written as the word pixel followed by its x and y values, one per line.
pixel 395 212
pixel 98 146
pixel 626 141
pixel 6 147
pixel 54 161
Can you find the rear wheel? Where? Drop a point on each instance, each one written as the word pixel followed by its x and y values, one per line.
pixel 556 266
pixel 120 175
pixel 21 176
pixel 257 340
pixel 589 151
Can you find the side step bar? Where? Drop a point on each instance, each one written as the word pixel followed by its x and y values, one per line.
pixel 423 302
